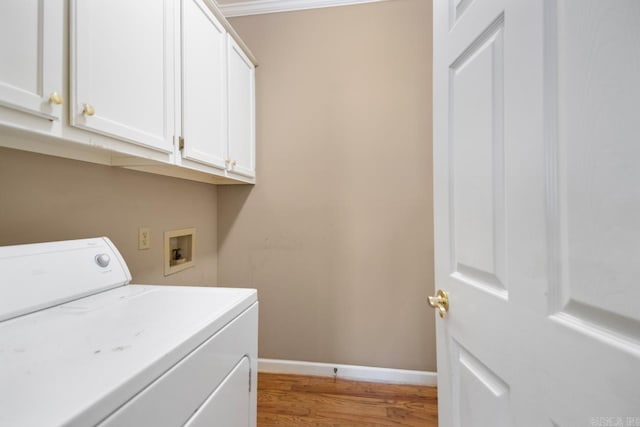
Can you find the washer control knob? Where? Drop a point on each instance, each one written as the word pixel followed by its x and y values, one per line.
pixel 103 260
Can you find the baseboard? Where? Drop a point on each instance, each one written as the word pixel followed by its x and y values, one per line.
pixel 351 372
pixel 257 7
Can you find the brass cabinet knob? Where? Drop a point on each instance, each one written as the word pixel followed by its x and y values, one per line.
pixel 440 302
pixel 88 110
pixel 55 98
pixel 227 161
pixel 233 163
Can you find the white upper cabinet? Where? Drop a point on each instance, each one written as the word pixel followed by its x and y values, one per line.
pixel 141 74
pixel 31 71
pixel 204 85
pixel 121 66
pixel 241 77
pixel 218 94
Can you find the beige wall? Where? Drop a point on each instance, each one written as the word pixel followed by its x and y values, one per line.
pixel 337 234
pixel 46 198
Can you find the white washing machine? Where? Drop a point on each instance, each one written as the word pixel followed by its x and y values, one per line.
pixel 80 346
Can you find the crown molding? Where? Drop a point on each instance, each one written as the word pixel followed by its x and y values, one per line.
pixel 258 7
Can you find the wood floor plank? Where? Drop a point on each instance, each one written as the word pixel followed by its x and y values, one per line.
pixel 296 400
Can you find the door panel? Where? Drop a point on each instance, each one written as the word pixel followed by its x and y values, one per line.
pixel 593 60
pixel 241 111
pixel 598 68
pixel 482 394
pixel 204 85
pixel 122 66
pixel 476 156
pixel 31 52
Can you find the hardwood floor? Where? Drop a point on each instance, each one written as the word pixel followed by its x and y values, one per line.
pixel 295 400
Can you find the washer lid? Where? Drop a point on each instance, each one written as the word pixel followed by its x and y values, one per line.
pixel 41 275
pixel 75 363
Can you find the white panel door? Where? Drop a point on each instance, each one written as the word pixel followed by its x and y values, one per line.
pixel 537 211
pixel 242 125
pixel 31 56
pixel 204 85
pixel 122 70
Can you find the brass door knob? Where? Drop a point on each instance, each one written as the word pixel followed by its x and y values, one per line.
pixel 88 110
pixel 440 302
pixel 55 98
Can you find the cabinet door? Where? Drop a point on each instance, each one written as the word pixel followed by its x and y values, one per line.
pixel 31 56
pixel 204 92
pixel 122 70
pixel 242 137
pixel 228 405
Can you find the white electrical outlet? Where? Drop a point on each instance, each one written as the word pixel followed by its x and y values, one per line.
pixel 144 238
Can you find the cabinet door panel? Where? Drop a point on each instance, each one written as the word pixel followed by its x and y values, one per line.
pixel 204 115
pixel 31 55
pixel 241 111
pixel 122 66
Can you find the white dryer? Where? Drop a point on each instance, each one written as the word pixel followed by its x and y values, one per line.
pixel 80 346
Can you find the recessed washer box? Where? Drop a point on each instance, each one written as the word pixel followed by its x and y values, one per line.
pixel 179 250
